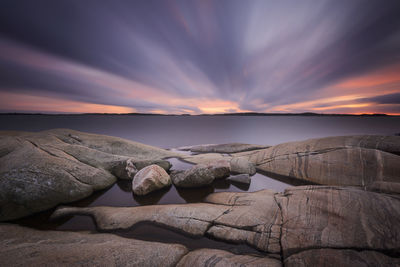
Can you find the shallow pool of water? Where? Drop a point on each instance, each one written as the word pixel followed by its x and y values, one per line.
pixel 120 195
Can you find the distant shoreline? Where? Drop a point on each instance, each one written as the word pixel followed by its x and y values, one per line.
pixel 309 114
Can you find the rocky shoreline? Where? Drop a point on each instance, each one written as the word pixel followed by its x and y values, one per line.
pixel 349 217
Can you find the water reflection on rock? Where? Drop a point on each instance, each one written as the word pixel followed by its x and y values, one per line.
pixel 151 198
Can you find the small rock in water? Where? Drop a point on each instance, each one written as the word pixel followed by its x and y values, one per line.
pixel 240 178
pixel 242 165
pixel 125 170
pixel 220 169
pixel 199 175
pixel 149 179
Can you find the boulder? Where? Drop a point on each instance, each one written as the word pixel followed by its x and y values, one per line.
pixel 345 160
pixel 127 169
pixel 201 174
pixel 240 178
pixel 21 246
pixel 41 170
pixel 197 176
pixel 242 165
pixel 149 179
pixel 220 169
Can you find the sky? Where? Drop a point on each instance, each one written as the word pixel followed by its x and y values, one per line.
pixel 193 57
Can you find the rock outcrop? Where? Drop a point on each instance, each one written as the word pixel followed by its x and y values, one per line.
pixel 251 218
pixel 20 246
pixel 41 170
pixel 305 218
pixel 223 148
pixel 149 179
pixel 370 162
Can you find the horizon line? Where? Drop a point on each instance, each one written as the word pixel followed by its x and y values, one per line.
pixel 207 114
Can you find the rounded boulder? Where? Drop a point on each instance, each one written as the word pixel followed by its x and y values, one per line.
pixel 149 179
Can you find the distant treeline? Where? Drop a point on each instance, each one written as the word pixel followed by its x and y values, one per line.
pixel 223 114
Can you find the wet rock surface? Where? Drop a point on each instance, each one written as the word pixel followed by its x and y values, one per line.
pixel 149 179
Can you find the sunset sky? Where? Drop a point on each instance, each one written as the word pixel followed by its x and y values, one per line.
pixel 195 57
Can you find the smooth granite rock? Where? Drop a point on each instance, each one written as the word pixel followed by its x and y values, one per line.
pixel 221 258
pixel 251 218
pixel 149 179
pixel 21 246
pixel 206 158
pixel 223 148
pixel 342 258
pixel 41 170
pixel 240 178
pixel 344 160
pixel 339 217
pixel 282 225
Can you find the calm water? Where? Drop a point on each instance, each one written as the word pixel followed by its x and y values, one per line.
pixel 176 131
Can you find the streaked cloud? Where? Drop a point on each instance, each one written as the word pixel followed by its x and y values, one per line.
pixel 200 56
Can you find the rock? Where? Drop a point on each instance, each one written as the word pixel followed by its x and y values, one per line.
pixel 20 246
pixel 305 218
pixel 220 169
pixel 201 174
pixel 126 170
pixel 242 165
pixel 216 257
pixel 207 158
pixel 223 148
pixel 196 176
pixel 347 160
pixel 41 170
pixel 339 217
pixel 149 179
pixel 342 257
pixel 240 178
pixel 250 218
